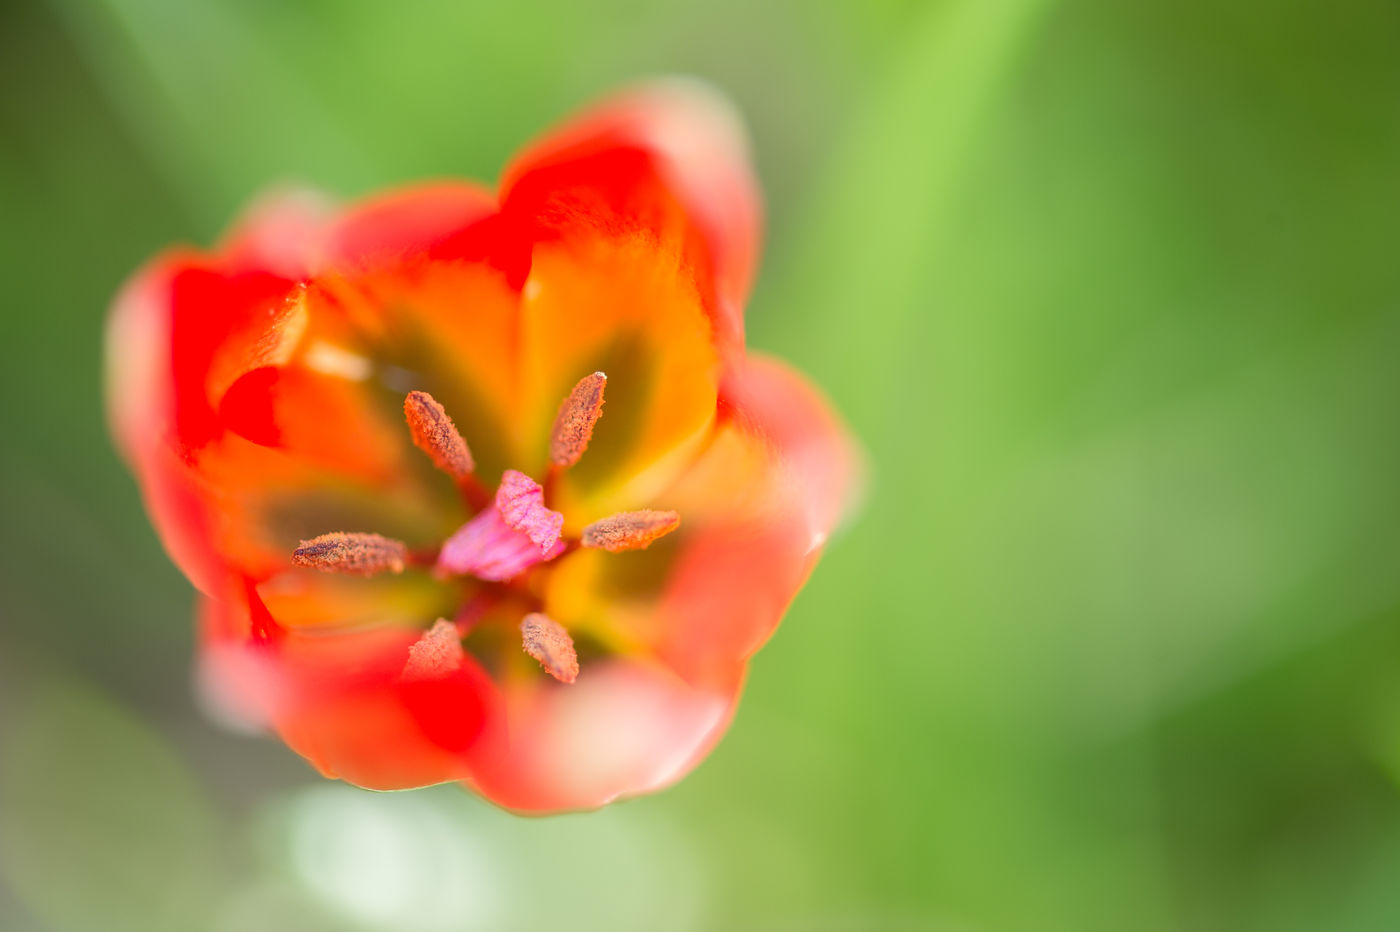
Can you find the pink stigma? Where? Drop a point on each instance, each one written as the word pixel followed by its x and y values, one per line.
pixel 520 500
pixel 502 542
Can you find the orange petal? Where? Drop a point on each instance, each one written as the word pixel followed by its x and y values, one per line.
pixel 448 328
pixel 427 277
pixel 623 307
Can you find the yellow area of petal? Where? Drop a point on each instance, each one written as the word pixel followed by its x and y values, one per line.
pixel 585 596
pixel 310 599
pixel 733 476
pixel 624 306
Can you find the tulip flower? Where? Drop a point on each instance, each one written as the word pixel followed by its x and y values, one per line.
pixel 482 486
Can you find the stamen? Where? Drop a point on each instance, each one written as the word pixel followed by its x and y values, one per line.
pixel 435 434
pixel 546 640
pixel 352 553
pixel 630 530
pixel 437 653
pixel 573 428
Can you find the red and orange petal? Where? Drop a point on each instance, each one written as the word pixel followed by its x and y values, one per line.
pixel 667 159
pixel 246 385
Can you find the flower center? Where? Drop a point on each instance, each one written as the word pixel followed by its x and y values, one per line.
pixel 511 532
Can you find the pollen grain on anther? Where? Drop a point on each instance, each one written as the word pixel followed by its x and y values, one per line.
pixel 436 435
pixel 573 427
pixel 352 553
pixel 630 530
pixel 546 640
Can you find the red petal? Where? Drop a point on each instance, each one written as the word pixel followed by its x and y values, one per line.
pixel 341 699
pixel 408 222
pixel 776 404
pixel 735 576
pixel 623 728
pixel 669 158
pixel 175 324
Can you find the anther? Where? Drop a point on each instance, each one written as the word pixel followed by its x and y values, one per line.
pixel 437 653
pixel 573 428
pixel 630 530
pixel 435 434
pixel 546 640
pixel 352 553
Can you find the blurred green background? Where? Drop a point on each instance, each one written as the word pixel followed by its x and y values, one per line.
pixel 1110 292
